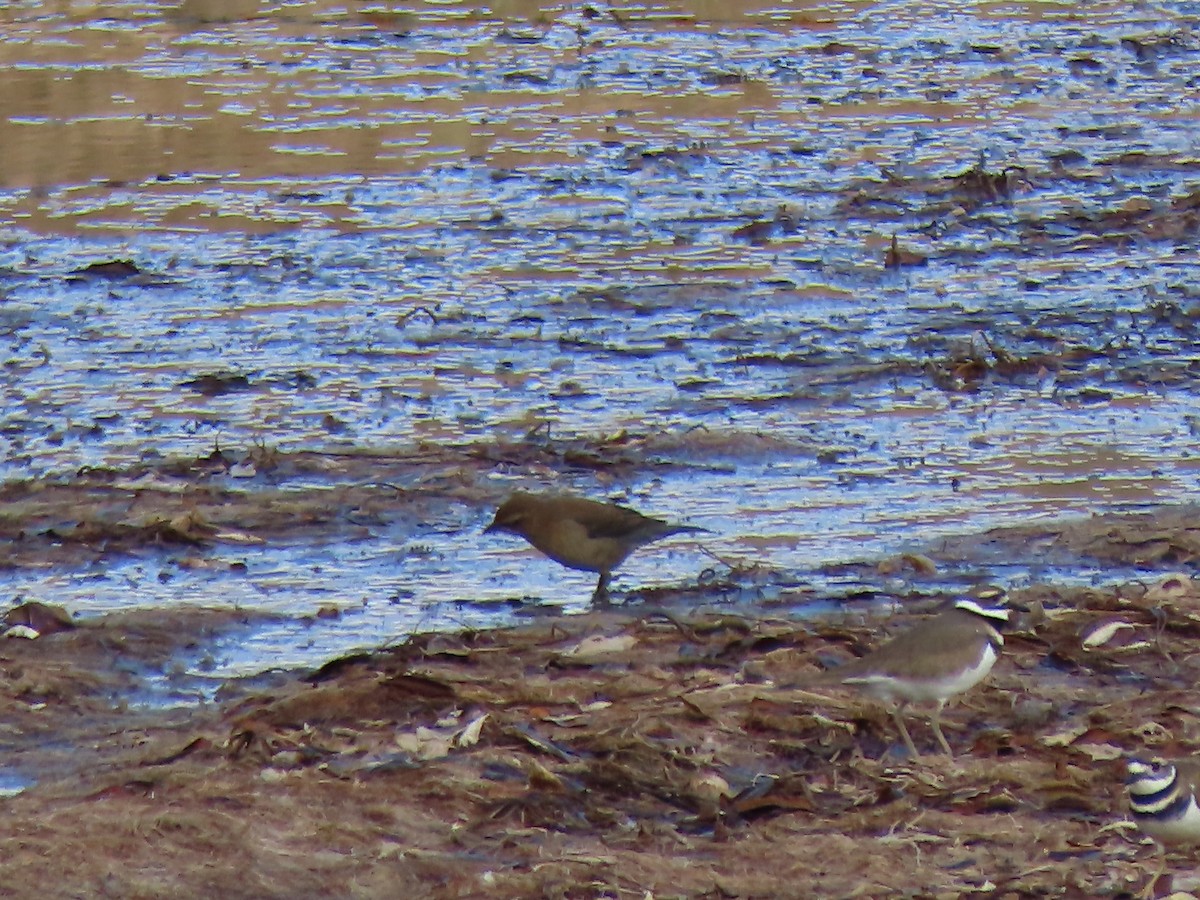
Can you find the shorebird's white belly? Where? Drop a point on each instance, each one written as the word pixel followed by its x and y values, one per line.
pixel 1184 830
pixel 888 687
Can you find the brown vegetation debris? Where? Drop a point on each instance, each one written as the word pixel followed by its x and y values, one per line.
pixel 41 618
pixel 898 258
pixel 785 221
pixel 1166 538
pixel 1135 218
pixel 214 384
pixel 609 752
pixel 978 186
pixel 113 269
pixel 937 198
pixel 967 366
pixel 200 501
pixel 541 755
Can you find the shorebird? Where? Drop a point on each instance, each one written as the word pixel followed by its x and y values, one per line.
pixel 582 534
pixel 933 661
pixel 1163 802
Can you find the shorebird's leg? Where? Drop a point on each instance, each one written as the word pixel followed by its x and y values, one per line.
pixel 898 716
pixel 936 721
pixel 1148 892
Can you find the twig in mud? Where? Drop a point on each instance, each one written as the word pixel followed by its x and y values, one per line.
pixel 404 319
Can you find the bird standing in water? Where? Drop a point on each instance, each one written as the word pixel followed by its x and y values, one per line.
pixel 582 534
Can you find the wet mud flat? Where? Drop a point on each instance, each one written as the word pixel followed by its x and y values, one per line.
pixel 754 264
pixel 819 280
pixel 636 751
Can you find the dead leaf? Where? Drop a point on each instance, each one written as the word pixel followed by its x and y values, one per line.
pixel 1113 635
pixel 918 563
pixel 41 618
pixel 541 778
pixel 1066 736
pixel 469 736
pixel 597 646
pixel 424 743
pixel 1170 587
pixel 1100 751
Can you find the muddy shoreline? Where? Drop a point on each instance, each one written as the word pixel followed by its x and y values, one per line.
pixel 640 749
pixel 889 298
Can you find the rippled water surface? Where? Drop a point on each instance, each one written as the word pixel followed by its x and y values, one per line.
pixel 418 224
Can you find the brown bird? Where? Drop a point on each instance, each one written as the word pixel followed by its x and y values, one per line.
pixel 933 661
pixel 581 534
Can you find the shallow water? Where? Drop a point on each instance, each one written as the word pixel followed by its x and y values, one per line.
pixel 415 224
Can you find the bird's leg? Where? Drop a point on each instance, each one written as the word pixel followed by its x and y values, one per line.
pixel 898 716
pixel 600 595
pixel 936 721
pixel 1148 892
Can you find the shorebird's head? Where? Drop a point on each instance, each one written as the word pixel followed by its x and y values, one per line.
pixel 513 515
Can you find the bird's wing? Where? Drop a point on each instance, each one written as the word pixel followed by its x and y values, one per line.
pixel 615 522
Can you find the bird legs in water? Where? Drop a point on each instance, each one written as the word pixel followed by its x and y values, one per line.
pixel 600 595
